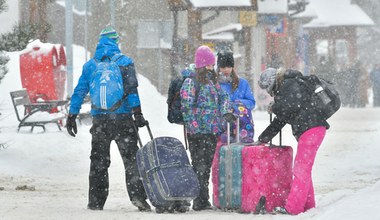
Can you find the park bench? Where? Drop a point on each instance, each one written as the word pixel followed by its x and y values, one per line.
pixel 37 114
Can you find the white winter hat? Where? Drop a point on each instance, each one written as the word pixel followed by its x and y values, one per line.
pixel 268 79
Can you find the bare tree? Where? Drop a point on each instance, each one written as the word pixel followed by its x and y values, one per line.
pixel 38 15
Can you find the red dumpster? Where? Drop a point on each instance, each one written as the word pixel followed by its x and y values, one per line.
pixel 43 71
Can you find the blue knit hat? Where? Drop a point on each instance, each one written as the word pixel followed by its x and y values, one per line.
pixel 110 33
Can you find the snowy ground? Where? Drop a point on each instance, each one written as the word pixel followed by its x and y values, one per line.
pixel 346 172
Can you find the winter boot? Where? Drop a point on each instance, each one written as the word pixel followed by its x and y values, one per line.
pixel 142 205
pixel 95 208
pixel 260 207
pixel 280 210
pixel 181 206
pixel 199 205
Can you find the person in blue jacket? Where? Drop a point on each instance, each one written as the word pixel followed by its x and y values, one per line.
pixel 114 125
pixel 240 93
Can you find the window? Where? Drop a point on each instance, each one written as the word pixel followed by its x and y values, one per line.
pixel 154 34
pixel 80 5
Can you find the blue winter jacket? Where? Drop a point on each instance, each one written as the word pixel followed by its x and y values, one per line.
pixel 243 93
pixel 107 47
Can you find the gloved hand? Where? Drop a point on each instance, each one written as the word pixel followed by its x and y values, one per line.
pixel 257 143
pixel 229 117
pixel 71 124
pixel 269 108
pixel 139 119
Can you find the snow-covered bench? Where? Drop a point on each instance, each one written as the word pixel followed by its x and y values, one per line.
pixel 37 114
pixel 84 115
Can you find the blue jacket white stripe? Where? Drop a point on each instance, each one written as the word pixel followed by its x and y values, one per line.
pixel 107 47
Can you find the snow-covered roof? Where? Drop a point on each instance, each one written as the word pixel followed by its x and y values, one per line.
pixel 335 13
pixel 220 3
pixel 225 36
pixel 223 33
pixel 272 7
pixel 75 11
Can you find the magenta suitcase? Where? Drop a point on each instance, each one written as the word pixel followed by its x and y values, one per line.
pixel 215 175
pixel 266 172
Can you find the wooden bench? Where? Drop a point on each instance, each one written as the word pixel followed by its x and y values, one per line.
pixel 37 114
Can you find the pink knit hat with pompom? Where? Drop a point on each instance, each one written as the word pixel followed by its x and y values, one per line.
pixel 204 57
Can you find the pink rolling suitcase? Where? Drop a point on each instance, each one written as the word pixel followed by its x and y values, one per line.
pixel 266 173
pixel 215 175
pixel 266 177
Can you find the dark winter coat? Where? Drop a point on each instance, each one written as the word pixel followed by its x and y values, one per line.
pixel 107 47
pixel 292 105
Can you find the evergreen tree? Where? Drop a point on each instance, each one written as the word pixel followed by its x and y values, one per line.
pixel 35 28
pixel 21 35
pixel 3 67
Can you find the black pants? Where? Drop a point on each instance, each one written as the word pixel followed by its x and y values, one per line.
pixel 103 132
pixel 202 149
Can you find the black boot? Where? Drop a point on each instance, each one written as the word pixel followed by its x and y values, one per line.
pixel 280 210
pixel 199 205
pixel 142 205
pixel 99 208
pixel 181 206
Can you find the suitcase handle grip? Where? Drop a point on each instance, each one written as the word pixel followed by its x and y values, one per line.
pixel 280 137
pixel 137 132
pixel 237 132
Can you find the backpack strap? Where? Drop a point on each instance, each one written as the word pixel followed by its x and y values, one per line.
pixel 305 83
pixel 116 57
pixel 102 59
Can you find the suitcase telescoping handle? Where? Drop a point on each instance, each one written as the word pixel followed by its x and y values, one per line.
pixel 137 132
pixel 270 120
pixel 237 132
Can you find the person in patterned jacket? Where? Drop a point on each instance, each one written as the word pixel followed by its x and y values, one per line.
pixel 204 119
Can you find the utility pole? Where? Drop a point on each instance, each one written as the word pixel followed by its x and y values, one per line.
pixel 86 31
pixel 112 7
pixel 69 45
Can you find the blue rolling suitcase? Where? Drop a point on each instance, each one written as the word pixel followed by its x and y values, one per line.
pixel 166 172
pixel 230 173
pixel 230 176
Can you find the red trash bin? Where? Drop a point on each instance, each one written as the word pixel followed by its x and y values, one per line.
pixel 43 71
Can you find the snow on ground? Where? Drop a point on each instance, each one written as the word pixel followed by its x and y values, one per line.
pixel 346 172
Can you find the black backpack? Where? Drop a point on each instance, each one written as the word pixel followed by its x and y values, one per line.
pixel 324 96
pixel 174 99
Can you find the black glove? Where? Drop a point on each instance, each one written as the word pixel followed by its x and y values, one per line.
pixel 71 125
pixel 229 117
pixel 139 120
pixel 269 108
pixel 257 143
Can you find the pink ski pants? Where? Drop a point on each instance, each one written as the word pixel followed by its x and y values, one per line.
pixel 301 197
